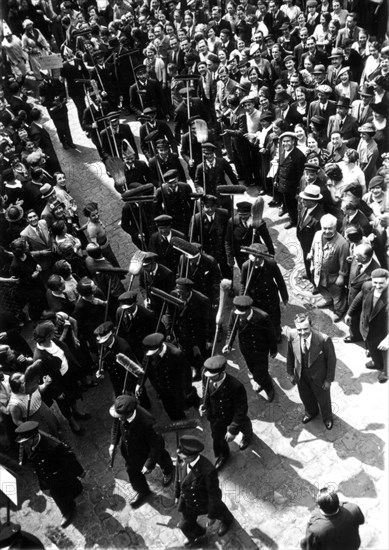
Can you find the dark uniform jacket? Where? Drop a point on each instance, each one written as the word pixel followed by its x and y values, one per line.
pixel 73 73
pixel 158 166
pixel 148 99
pixel 200 491
pixel 228 404
pixel 108 139
pixel 256 335
pixel 321 358
pixel 374 319
pixel 134 328
pixel 167 255
pixel 266 283
pixel 164 132
pixel 175 200
pixel 163 279
pixel 215 176
pixel 167 373
pixel 56 466
pixel 140 444
pixel 213 232
pixel 117 373
pixel 193 325
pixel 206 276
pixel 243 236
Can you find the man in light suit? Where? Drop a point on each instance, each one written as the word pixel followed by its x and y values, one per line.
pixel 41 247
pixel 311 363
pixel 361 268
pixel 372 301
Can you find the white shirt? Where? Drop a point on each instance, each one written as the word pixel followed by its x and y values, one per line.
pixel 56 351
pixel 307 341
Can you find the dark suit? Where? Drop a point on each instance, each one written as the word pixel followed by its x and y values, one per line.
pixel 177 58
pixel 226 409
pixel 135 327
pixel 164 132
pixel 181 116
pixel 106 80
pixel 214 176
pixel 290 171
pixel 339 532
pixel 314 109
pixel 167 255
pixel 257 337
pixel 348 129
pixel 360 220
pixel 130 222
pixel 109 138
pixel 266 286
pixel 141 446
pixel 73 72
pixel 117 374
pixel 158 167
pixel 163 279
pixel 374 322
pixel 200 494
pixel 206 276
pixel 149 98
pixel 307 225
pixel 356 281
pixel 41 138
pixel 311 370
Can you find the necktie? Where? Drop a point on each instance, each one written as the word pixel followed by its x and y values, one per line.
pixel 359 269
pixel 40 233
pixel 303 346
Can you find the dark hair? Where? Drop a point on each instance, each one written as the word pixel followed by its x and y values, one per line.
pixel 328 500
pixel 94 251
pixel 16 381
pixel 54 282
pixel 89 208
pixel 58 227
pixel 301 317
pixel 35 115
pixel 62 268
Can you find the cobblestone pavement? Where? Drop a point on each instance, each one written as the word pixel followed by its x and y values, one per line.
pixel 270 487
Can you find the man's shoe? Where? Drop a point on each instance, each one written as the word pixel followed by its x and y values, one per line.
pixel 220 462
pixel 307 418
pixel 245 442
pixel 382 377
pixel 270 395
pixel 349 340
pixel 315 291
pixel 224 527
pixel 139 499
pixel 167 479
pixel 273 204
pixel 65 146
pixel 328 424
pixel 196 543
pixel 289 225
pixel 72 145
pixel 67 520
pixel 370 365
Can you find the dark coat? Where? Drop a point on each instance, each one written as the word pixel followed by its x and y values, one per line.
pixel 266 284
pixel 168 374
pixel 215 176
pixel 181 116
pixel 167 255
pixel 228 404
pixel 213 233
pixel 139 441
pixel 175 200
pixel 356 281
pixel 237 235
pixel 135 328
pixel 117 373
pixel 307 226
pixel 374 320
pixel 158 166
pixel 349 130
pixel 200 491
pixel 73 73
pixel 206 276
pixel 314 109
pixel 339 532
pixel 164 132
pixel 290 171
pixel 193 324
pixel 163 279
pixel 149 99
pixel 123 133
pixel 137 171
pixel 41 138
pixel 56 466
pixel 321 358
pixel 256 336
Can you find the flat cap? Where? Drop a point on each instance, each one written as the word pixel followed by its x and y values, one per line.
pixel 184 281
pixel 149 257
pixel 244 207
pixel 162 144
pixel 208 145
pixel 319 69
pixel 266 115
pixel 311 167
pixel 163 220
pixel 103 332
pixel 170 175
pixel 124 405
pixel 242 304
pixel 376 181
pixel 153 342
pixel 318 120
pixel 214 365
pixel 324 88
pixel 379 272
pixel 209 199
pixel 149 110
pixel 26 431
pixel 355 189
pixel 189 445
pixel 288 58
pixel 367 128
pixel 128 296
pixel 257 247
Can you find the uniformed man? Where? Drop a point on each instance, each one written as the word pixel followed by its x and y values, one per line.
pixel 240 233
pixel 257 338
pixel 154 275
pixel 205 273
pixel 134 321
pixel 200 493
pixel 209 228
pixel 160 242
pixel 159 129
pixel 141 447
pixel 55 466
pixel 193 324
pixel 261 279
pixel 169 373
pixel 111 346
pixel 164 161
pixel 174 198
pixel 225 406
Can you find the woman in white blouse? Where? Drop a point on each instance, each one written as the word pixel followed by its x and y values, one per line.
pixel 350 170
pixel 372 65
